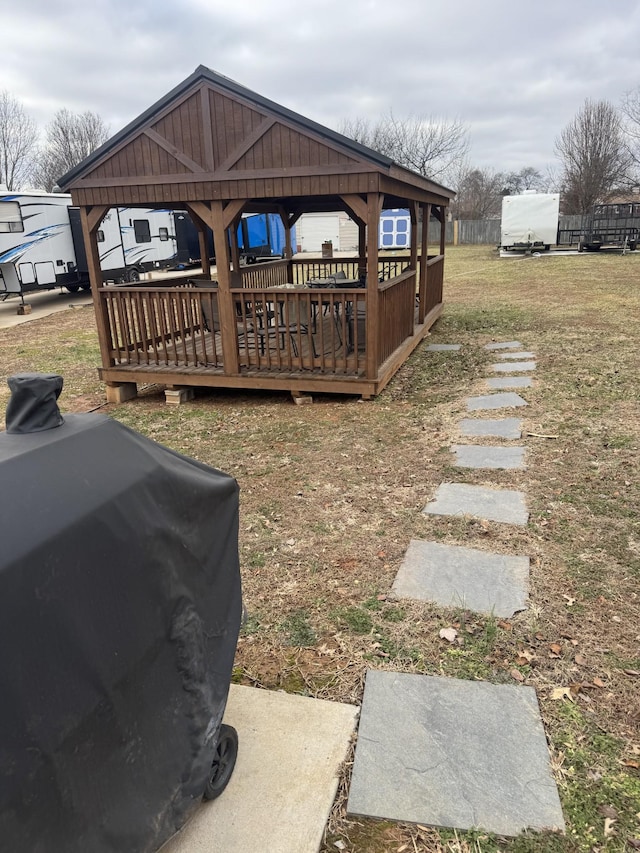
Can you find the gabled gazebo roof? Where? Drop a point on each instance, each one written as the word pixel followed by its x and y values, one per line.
pixel 210 137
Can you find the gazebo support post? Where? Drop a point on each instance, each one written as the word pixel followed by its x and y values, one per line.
pixel 374 209
pixel 424 259
pixel 228 326
pixel 91 217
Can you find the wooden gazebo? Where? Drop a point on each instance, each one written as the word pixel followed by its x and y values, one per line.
pixel 218 150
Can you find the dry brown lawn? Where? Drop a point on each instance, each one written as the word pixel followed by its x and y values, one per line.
pixel 332 493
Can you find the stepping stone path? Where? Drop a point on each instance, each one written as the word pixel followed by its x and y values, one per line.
pixel 477 456
pixel 453 753
pixel 516 356
pixel 443 347
pixel 447 752
pixel 453 576
pixel 507 400
pixel 498 383
pixel 512 366
pixel 479 502
pixel 504 345
pixel 498 428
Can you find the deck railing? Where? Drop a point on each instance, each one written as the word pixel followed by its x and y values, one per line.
pixel 396 312
pixel 175 322
pixel 435 277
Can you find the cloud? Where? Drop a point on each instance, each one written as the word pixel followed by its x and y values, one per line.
pixel 515 74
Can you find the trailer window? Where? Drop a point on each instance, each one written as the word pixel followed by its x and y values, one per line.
pixel 10 217
pixel 163 233
pixel 100 236
pixel 141 230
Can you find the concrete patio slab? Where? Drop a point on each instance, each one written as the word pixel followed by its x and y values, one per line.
pixel 503 345
pixel 285 780
pixel 460 499
pixel 495 427
pixel 478 456
pixel 453 753
pixel 443 347
pixel 516 355
pixel 497 383
pixel 453 576
pixel 513 366
pixel 506 400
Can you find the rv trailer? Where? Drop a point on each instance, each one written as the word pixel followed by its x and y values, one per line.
pixel 42 247
pixel 529 221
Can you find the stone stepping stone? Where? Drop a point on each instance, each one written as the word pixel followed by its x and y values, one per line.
pixel 478 456
pixel 499 428
pixel 443 347
pixel 516 355
pixel 453 576
pixel 461 499
pixel 497 383
pixel 504 345
pixel 505 400
pixel 513 366
pixel 453 753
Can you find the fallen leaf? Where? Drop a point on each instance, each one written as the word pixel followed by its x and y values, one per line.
pixel 526 654
pixel 629 763
pixel 608 827
pixel 570 600
pixel 575 688
pixel 516 674
pixel 598 682
pixel 556 648
pixel 562 693
pixel 340 845
pixel 448 634
pixel 580 660
pixel 506 626
pixel 381 598
pixel 634 843
pixel 633 672
pixel 608 811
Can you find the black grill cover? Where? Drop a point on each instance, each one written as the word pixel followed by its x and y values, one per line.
pixel 120 607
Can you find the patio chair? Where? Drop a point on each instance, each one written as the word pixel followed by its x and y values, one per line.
pixel 296 319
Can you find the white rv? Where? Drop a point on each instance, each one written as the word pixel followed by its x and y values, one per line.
pixel 41 244
pixel 530 221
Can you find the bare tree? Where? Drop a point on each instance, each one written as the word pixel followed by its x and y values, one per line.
pixel 431 146
pixel 479 194
pixel 631 111
pixel 70 137
pixel 18 139
pixel 528 178
pixel 594 155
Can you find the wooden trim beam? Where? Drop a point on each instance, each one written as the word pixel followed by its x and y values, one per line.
pixel 170 148
pixel 232 211
pixel 248 174
pixel 356 205
pixel 246 145
pixel 95 215
pixel 207 128
pixel 200 212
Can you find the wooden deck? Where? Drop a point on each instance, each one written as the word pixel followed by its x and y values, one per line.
pixel 285 333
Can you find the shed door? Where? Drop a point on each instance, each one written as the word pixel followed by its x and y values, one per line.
pixel 313 229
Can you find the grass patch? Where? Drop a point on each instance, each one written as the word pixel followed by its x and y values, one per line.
pixel 331 495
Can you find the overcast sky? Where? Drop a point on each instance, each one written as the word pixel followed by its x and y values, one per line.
pixel 515 73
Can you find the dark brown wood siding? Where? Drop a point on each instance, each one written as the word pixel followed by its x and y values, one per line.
pixel 284 148
pixel 183 128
